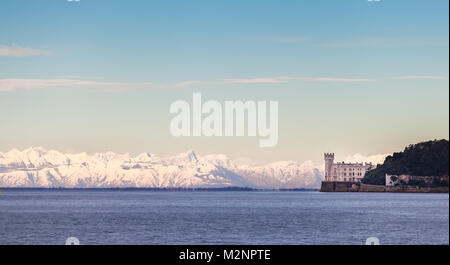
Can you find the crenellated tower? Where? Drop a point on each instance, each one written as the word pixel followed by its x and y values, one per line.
pixel 329 160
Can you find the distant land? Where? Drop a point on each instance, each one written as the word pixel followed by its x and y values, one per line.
pixel 421 167
pixel 429 158
pixel 160 189
pixel 37 167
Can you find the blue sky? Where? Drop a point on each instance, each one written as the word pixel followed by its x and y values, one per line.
pixel 385 64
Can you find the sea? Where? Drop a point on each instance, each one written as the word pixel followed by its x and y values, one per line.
pixel 143 217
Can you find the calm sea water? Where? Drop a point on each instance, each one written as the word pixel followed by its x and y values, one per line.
pixel 234 217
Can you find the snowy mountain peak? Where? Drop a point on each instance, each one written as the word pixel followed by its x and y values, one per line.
pixel 37 167
pixel 144 157
pixel 189 155
pixel 35 149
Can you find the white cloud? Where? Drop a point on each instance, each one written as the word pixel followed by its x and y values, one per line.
pixel 284 79
pixel 327 79
pixel 433 77
pixel 18 51
pixel 17 83
pixel 281 39
pixel 78 81
pixel 187 83
pixel 375 42
pixel 254 80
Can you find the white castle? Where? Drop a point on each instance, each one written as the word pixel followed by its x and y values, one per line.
pixel 344 172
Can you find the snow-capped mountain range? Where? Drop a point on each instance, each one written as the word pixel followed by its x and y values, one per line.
pixel 37 167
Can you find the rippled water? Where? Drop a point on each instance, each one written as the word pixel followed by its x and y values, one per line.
pixel 219 217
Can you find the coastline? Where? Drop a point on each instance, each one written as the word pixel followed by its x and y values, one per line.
pixel 158 189
pixel 337 186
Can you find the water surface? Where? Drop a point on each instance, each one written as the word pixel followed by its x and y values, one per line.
pixel 221 217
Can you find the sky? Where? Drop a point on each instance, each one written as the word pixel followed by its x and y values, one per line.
pixel 352 76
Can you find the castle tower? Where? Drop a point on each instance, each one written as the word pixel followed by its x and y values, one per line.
pixel 329 160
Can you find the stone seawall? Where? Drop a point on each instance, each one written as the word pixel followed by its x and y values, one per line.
pixel 333 186
pixel 338 186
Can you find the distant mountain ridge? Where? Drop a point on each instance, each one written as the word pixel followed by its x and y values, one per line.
pixel 38 167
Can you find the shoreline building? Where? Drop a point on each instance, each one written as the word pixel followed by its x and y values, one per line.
pixel 344 172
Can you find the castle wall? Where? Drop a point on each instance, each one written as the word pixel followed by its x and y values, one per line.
pixel 339 186
pixel 349 171
pixel 341 171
